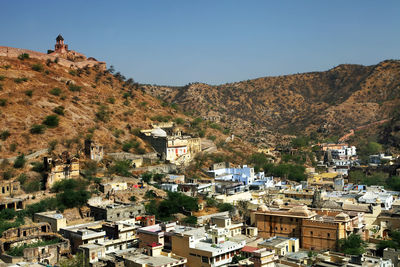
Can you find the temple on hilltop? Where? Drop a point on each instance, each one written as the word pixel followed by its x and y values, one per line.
pixel 61 55
pixel 60 47
pixel 78 60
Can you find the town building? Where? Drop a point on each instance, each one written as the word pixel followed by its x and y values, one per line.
pixel 281 245
pixel 205 248
pixel 113 236
pixel 233 229
pixel 172 146
pixel 116 211
pixel 87 233
pixel 263 258
pixel 9 188
pixel 93 151
pixel 154 256
pixel 113 186
pixel 44 246
pixel 64 167
pixel 55 219
pixel 318 230
pixel 14 203
pixel 223 172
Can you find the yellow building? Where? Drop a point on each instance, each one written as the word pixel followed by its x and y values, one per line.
pixel 281 245
pixel 65 167
pixel 322 179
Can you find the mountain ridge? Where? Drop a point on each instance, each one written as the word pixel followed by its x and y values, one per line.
pixel 331 102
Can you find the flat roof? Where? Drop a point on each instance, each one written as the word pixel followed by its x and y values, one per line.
pixel 155 261
pixel 207 245
pixel 276 240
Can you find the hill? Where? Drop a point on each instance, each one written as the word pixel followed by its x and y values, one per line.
pixel 54 104
pixel 329 103
pixel 87 102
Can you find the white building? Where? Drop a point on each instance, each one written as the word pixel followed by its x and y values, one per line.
pixel 384 198
pixel 170 187
pixel 244 174
pixel 344 153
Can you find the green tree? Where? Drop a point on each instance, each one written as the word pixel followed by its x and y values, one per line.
pixel 56 91
pixel 146 177
pixel 4 135
pixel 59 110
pixel 103 113
pixel 300 141
pixel 121 167
pixel 19 162
pixel 394 242
pixel 352 245
pixel 51 121
pixel 190 220
pixel 37 67
pixel 394 183
pixel 225 207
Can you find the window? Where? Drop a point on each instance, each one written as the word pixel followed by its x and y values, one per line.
pixel 311 232
pixel 329 235
pixel 204 259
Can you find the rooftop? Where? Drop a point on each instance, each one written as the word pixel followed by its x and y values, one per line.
pixel 155 260
pixel 275 241
pixel 220 248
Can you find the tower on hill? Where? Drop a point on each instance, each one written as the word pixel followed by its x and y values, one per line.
pixel 60 47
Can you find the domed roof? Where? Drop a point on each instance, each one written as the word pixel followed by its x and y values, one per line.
pixel 342 217
pixel 300 211
pixel 158 132
pixel 262 208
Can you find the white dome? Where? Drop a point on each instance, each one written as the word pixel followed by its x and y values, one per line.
pixel 158 132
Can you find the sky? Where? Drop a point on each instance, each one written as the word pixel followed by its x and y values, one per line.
pixel 175 42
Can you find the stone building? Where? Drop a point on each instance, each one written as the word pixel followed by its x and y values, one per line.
pixel 172 145
pixel 316 229
pixel 64 167
pixel 42 245
pixel 12 203
pixel 60 47
pixel 93 151
pixel 9 188
pixel 116 211
pixel 55 219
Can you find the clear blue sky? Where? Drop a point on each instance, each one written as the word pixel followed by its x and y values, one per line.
pixel 177 42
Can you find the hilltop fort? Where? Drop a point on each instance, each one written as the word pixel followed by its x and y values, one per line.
pixel 61 54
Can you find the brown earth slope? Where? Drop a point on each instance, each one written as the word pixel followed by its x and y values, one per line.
pixel 100 105
pixel 105 107
pixel 330 102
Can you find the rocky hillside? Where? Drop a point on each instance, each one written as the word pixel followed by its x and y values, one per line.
pixel 330 102
pixel 46 105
